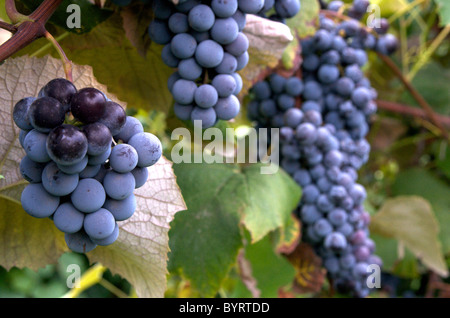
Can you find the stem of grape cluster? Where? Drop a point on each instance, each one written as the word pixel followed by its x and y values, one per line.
pixel 67 64
pixel 26 29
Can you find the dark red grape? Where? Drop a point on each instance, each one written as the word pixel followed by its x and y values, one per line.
pixel 60 89
pixel 46 113
pixel 99 138
pixel 114 117
pixel 88 105
pixel 66 145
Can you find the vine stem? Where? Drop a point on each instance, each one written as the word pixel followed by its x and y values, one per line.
pixel 29 28
pixel 12 13
pixel 409 110
pixel 415 94
pixel 8 27
pixel 67 64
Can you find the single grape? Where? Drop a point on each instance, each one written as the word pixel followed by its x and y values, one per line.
pixel 109 239
pixel 205 116
pixel 224 84
pixel 293 86
pixel 178 23
pixel 293 117
pixel 242 61
pixel 209 54
pixel 89 195
pixel 183 112
pixel 287 8
pixel 37 202
pixel 189 69
pixel 119 186
pixel 123 158
pixel 68 219
pixel 227 108
pixel 183 45
pixel 224 8
pixel 99 224
pixel 140 176
pixel 159 32
pixel 335 241
pixel 162 9
pixel 322 227
pixel 121 209
pixel 99 138
pixel 148 147
pixel 60 89
pixel 57 182
pixel 34 145
pixel 88 105
pixel 250 6
pixel 131 127
pixel 206 96
pixel 20 113
pixel 79 242
pixel 183 91
pixel 228 65
pixel 201 18
pixel 46 113
pixel 240 19
pixel 66 145
pixel 31 170
pixel 114 117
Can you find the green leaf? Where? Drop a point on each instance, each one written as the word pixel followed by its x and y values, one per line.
pixel 443 11
pixel 90 14
pixel 411 221
pixel 422 183
pixel 221 198
pixel 431 81
pixel 270 270
pixel 139 254
pixel 305 22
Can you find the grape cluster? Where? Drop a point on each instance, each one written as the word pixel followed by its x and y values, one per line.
pixel 384 43
pixel 203 40
pixel 323 120
pixel 84 159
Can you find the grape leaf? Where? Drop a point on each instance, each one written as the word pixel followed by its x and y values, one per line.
pixel 422 183
pixel 223 199
pixel 443 11
pixel 139 254
pixel 135 23
pixel 310 275
pixel 410 219
pixel 270 270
